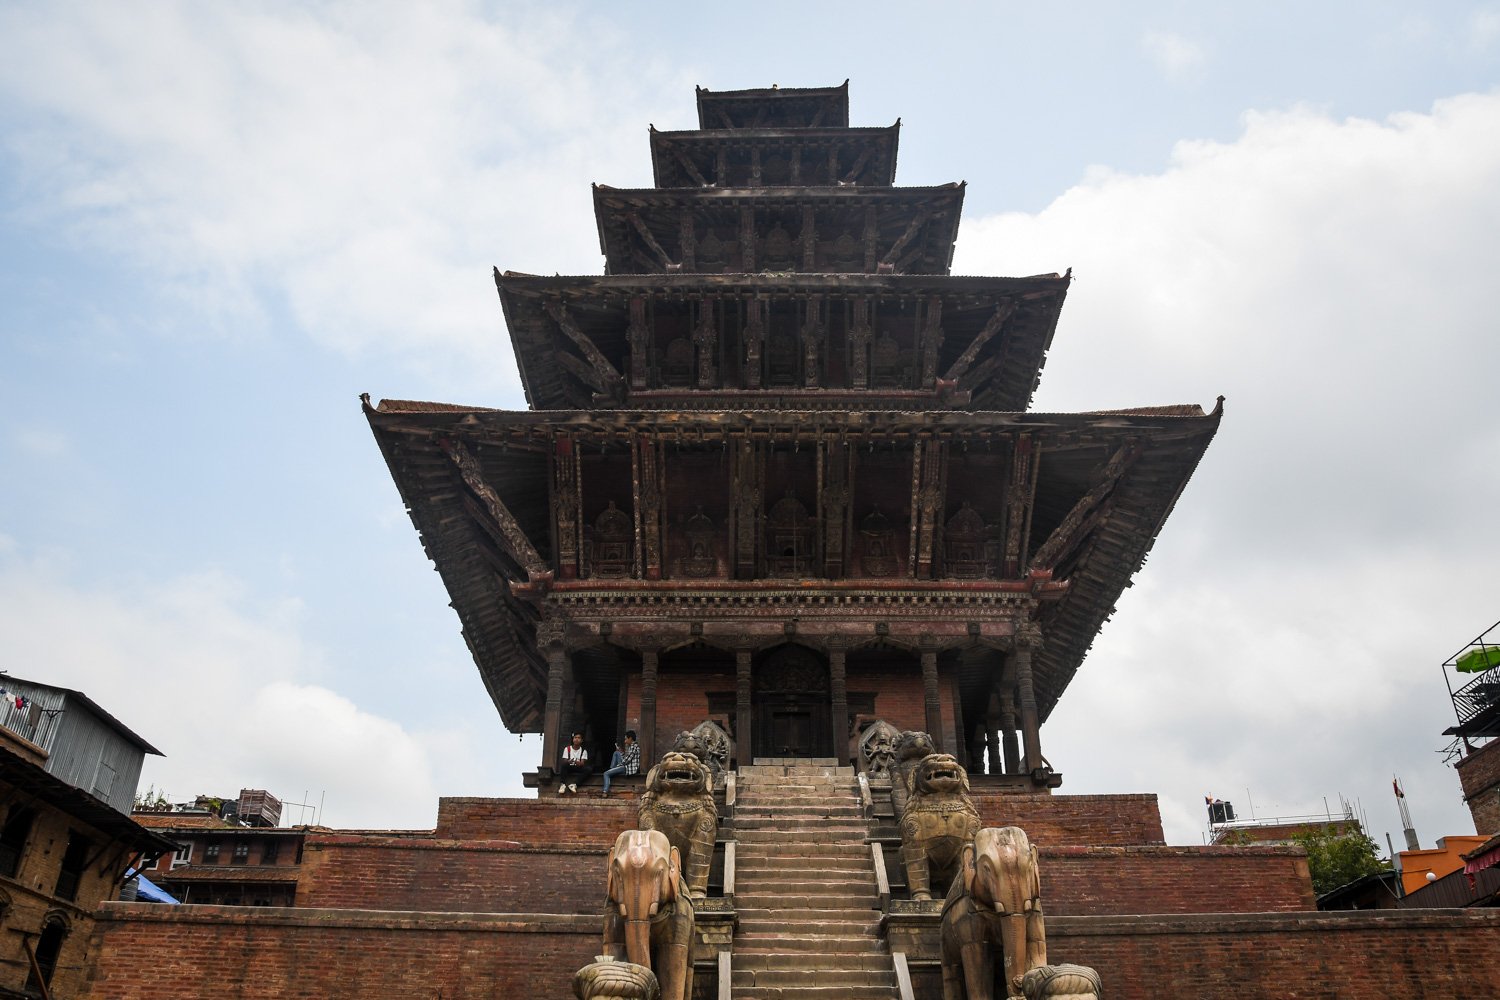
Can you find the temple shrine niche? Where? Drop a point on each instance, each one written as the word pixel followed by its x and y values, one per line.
pixel 778 469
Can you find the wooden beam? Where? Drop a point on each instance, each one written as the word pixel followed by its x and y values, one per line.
pixel 688 167
pixel 912 228
pixel 859 165
pixel 993 326
pixel 648 238
pixel 1079 519
pixel 517 545
pixel 581 340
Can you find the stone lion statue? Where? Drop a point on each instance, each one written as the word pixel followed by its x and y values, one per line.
pixel 679 802
pixel 939 820
pixel 909 749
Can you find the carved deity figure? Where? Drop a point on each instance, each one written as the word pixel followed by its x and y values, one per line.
pixel 992 929
pixel 679 802
pixel 877 748
pixel 714 746
pixel 938 822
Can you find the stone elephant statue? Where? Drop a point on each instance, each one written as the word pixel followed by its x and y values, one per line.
pixel 614 980
pixel 992 918
pixel 648 918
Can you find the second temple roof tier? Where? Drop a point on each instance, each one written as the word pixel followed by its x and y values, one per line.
pixel 908 230
pixel 825 157
pixel 787 340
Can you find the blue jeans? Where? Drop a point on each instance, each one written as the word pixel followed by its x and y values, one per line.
pixel 616 766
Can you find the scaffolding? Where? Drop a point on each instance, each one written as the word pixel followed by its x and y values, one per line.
pixel 1476 704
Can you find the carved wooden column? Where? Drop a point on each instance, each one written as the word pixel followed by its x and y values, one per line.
pixel 1011 747
pixel 930 696
pixel 706 339
pixel 931 341
pixel 1028 638
pixel 860 332
pixel 638 336
pixel 549 640
pixel 928 479
pixel 743 737
pixel 754 337
pixel 646 483
pixel 1018 502
pixel 649 658
pixel 567 502
pixel 833 501
pixel 839 696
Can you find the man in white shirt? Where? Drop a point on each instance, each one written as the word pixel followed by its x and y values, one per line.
pixel 574 766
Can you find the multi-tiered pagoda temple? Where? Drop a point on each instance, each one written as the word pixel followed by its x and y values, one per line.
pixel 779 472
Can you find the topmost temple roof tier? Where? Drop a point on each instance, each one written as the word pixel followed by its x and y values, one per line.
pixel 774 107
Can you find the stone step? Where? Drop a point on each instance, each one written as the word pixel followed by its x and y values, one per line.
pixel 795 762
pixel 802 832
pixel 804 977
pixel 850 867
pixel 872 961
pixel 802 883
pixel 782 807
pixel 771 942
pixel 798 800
pixel 812 905
pixel 814 993
pixel 763 855
pixel 842 923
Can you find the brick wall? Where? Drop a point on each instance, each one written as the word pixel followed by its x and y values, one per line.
pixel 1084 881
pixel 898 691
pixel 1479 773
pixel 188 952
pixel 1434 954
pixel 682 699
pixel 1097 820
pixel 541 822
pixel 375 873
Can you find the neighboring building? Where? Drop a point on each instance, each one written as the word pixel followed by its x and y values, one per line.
pixel 63 851
pixel 228 852
pixel 79 741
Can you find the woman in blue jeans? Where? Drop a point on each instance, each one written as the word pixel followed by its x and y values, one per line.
pixel 626 759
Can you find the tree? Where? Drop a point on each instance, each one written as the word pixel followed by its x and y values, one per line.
pixel 1336 858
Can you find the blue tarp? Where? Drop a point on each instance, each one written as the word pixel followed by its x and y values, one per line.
pixel 148 891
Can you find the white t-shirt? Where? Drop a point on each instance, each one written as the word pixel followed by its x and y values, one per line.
pixel 575 755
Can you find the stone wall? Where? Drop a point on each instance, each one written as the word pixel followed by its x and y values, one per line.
pixel 542 822
pixel 1479 773
pixel 1079 881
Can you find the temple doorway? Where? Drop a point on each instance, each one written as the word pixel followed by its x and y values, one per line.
pixel 791 704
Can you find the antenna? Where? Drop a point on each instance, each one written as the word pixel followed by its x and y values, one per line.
pixel 1406 825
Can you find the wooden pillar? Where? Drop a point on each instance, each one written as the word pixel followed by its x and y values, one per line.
pixel 1008 733
pixel 840 703
pixel 1031 724
pixel 930 696
pixel 744 739
pixel 549 639
pixel 647 734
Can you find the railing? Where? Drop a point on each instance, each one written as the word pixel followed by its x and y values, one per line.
pixel 1478 698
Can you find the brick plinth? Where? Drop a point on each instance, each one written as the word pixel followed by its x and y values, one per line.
pixel 1096 820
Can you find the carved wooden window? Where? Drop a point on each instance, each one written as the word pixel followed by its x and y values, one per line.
pixel 678 371
pixel 885 364
pixel 611 547
pixel 701 560
pixel 965 541
pixel 877 545
pixel 789 538
pixel 781 360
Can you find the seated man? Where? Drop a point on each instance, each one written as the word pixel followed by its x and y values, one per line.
pixel 574 766
pixel 627 759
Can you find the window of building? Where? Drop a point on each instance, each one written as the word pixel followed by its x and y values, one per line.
pixel 13 839
pixel 75 856
pixel 183 854
pixel 269 851
pixel 211 852
pixel 47 948
pixel 241 851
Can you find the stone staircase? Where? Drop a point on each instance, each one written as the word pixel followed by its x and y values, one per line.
pixel 805 887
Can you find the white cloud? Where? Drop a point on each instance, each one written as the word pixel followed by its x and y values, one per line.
pixel 1330 278
pixel 352 169
pixel 45 442
pixel 1177 57
pixel 230 692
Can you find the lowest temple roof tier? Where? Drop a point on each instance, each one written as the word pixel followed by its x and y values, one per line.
pixel 831 230
pixel 752 158
pixel 774 107
pixel 781 340
pixel 942 530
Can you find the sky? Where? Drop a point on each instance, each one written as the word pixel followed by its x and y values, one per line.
pixel 219 224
